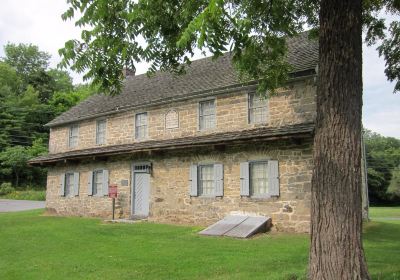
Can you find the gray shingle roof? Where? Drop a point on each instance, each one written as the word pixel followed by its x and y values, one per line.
pixel 201 76
pixel 303 130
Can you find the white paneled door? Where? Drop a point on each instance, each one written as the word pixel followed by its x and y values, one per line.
pixel 141 191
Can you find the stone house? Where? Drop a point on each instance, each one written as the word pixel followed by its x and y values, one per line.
pixel 190 149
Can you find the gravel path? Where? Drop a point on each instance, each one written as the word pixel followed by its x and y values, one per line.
pixel 9 205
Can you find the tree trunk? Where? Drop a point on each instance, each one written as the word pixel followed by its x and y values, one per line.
pixel 16 178
pixel 336 222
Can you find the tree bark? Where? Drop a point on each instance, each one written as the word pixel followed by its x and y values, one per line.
pixel 336 220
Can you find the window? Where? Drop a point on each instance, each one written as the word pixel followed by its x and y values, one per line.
pixel 69 184
pixel 206 114
pixel 259 179
pixel 97 182
pixel 141 126
pixel 101 132
pixel 206 180
pixel 73 136
pixel 257 108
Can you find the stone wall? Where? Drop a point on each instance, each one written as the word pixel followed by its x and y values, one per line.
pixel 296 104
pixel 170 201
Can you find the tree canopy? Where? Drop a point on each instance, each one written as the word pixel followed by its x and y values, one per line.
pixel 383 163
pixel 119 34
pixel 31 94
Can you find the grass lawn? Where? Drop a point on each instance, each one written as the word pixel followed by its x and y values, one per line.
pixel 384 212
pixel 33 246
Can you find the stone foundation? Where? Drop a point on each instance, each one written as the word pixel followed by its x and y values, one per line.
pixel 170 201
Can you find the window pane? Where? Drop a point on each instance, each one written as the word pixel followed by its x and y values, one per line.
pixel 73 136
pixel 259 178
pixel 141 126
pixel 101 132
pixel 257 108
pixel 206 180
pixel 97 181
pixel 207 114
pixel 69 184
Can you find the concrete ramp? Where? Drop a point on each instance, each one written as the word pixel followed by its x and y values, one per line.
pixel 238 226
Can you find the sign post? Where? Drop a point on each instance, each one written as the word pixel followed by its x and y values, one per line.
pixel 113 193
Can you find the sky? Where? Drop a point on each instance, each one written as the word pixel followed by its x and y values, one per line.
pixel 39 22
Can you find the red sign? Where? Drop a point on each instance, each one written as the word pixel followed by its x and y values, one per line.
pixel 112 191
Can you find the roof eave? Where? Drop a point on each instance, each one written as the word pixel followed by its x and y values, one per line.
pixel 298 131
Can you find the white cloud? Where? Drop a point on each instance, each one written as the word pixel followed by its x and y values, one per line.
pixel 39 22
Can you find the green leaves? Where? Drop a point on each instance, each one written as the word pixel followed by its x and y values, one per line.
pixel 390 50
pixel 166 34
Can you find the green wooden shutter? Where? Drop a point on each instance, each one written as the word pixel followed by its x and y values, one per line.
pixel 90 183
pixel 105 182
pixel 62 184
pixel 219 179
pixel 273 177
pixel 244 179
pixel 193 180
pixel 76 183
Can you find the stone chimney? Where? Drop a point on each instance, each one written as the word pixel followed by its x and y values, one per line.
pixel 127 72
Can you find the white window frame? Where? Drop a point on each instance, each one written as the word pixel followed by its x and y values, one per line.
pixel 95 183
pixel 201 115
pixel 138 127
pixel 251 108
pixel 69 184
pixel 251 186
pixel 98 142
pixel 73 139
pixel 200 181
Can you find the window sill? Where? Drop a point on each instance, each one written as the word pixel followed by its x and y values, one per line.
pixel 261 198
pixel 207 196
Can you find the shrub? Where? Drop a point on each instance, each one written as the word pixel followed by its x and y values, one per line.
pixel 6 188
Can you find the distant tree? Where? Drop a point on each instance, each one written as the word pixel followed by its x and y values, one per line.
pixel 9 79
pixel 394 186
pixel 62 80
pixel 383 159
pixel 26 59
pixel 14 161
pixel 62 101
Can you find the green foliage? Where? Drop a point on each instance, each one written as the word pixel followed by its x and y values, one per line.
pixel 84 248
pixel 63 100
pixel 394 186
pixel 31 95
pixel 38 195
pixel 120 33
pixel 6 188
pixel 26 59
pixel 383 159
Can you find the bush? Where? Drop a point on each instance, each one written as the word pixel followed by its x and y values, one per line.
pixel 27 195
pixel 6 188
